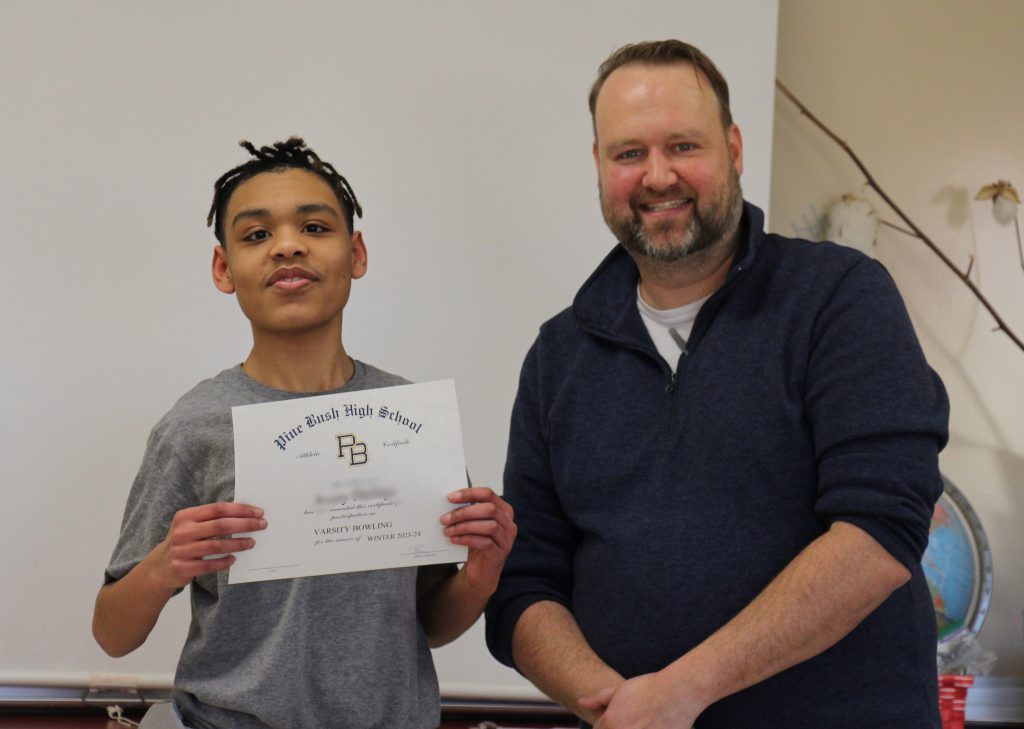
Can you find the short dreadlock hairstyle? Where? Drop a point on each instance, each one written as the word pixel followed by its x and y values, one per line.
pixel 664 53
pixel 279 156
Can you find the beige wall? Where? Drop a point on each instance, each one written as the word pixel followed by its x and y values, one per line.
pixel 929 96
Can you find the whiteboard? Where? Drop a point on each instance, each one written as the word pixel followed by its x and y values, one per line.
pixel 464 129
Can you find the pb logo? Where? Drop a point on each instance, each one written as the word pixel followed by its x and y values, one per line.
pixel 356 451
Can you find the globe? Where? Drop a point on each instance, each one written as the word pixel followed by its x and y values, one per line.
pixel 958 567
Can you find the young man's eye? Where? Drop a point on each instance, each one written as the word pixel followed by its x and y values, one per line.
pixel 315 228
pixel 257 235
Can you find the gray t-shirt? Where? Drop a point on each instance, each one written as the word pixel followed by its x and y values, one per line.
pixel 330 651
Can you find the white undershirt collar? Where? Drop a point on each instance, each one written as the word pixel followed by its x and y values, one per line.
pixel 661 323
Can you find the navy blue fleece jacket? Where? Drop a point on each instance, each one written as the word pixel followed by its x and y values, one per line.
pixel 656 507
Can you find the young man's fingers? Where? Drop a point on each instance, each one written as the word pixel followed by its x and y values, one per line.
pixel 194 567
pixel 479 513
pixel 471 511
pixel 473 542
pixel 479 494
pixel 479 510
pixel 218 510
pixel 206 547
pixel 484 527
pixel 217 565
pixel 226 527
pixel 188 531
pixel 487 529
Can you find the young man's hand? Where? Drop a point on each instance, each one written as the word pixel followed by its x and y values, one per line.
pixel 487 528
pixel 128 608
pixel 201 531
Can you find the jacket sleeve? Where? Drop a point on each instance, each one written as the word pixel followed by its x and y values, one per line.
pixel 540 566
pixel 878 413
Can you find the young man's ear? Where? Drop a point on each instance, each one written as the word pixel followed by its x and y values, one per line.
pixel 221 272
pixel 358 255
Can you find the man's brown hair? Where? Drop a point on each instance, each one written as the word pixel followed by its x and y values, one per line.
pixel 665 53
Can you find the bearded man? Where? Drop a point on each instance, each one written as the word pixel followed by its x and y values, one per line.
pixel 723 457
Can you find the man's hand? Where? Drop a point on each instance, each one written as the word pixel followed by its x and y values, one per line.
pixel 486 527
pixel 199 532
pixel 644 702
pixel 823 594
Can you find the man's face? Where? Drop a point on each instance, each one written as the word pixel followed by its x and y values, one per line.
pixel 289 256
pixel 668 173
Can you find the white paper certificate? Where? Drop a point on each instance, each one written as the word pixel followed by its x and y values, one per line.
pixel 349 482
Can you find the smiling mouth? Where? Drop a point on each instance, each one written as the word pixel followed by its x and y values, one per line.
pixel 665 205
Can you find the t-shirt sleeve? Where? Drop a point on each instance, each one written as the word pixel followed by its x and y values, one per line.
pixel 878 413
pixel 162 487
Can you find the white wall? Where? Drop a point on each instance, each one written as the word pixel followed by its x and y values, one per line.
pixel 928 94
pixel 463 128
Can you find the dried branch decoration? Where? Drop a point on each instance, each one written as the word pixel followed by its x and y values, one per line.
pixel 914 230
pixel 1005 200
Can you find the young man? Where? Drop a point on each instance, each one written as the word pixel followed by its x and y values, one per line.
pixel 347 650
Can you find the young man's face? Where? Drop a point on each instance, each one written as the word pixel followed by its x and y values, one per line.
pixel 668 173
pixel 289 257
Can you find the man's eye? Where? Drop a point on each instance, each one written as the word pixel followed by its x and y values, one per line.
pixel 630 154
pixel 315 228
pixel 257 235
pixel 684 147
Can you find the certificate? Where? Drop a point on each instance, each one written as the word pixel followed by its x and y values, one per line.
pixel 349 482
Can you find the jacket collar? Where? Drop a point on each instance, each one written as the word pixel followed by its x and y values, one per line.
pixel 606 303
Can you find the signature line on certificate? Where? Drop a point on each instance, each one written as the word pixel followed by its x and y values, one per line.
pixel 275 567
pixel 424 552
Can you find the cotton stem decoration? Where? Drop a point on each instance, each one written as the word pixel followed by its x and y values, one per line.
pixel 912 229
pixel 853 222
pixel 1005 200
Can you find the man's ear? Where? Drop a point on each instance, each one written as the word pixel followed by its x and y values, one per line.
pixel 734 141
pixel 221 272
pixel 358 255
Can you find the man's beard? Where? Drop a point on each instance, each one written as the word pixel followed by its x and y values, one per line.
pixel 709 224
